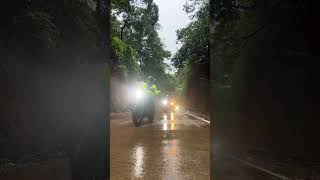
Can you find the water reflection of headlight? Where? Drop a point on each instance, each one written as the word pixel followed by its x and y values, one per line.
pixel 172 126
pixel 139 158
pixel 171 116
pixel 165 117
pixel 165 126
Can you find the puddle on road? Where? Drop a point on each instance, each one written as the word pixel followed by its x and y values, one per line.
pixel 169 148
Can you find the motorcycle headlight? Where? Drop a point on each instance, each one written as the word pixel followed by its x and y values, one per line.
pixel 138 94
pixel 164 102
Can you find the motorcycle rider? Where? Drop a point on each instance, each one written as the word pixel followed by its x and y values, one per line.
pixel 146 106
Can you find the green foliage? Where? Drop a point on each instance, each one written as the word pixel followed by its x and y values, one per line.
pixel 195 43
pixel 119 46
pixel 126 58
pixel 194 39
pixel 134 30
pixel 184 74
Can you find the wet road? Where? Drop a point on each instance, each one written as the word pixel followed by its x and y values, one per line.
pixel 174 146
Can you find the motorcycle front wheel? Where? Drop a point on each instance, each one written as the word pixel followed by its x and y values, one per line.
pixel 151 117
pixel 137 118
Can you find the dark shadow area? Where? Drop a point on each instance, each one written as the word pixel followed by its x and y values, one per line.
pixel 54 75
pixel 265 90
pixel 57 113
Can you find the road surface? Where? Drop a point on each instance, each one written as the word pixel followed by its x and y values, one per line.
pixel 175 146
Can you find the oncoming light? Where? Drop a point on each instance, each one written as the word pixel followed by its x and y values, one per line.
pixel 165 126
pixel 138 93
pixel 164 102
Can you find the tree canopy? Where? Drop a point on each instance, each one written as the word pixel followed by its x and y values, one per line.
pixel 194 37
pixel 194 41
pixel 138 50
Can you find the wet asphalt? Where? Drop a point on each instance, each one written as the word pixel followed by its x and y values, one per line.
pixel 175 146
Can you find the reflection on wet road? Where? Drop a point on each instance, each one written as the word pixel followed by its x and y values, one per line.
pixel 171 154
pixel 138 159
pixel 168 124
pixel 172 147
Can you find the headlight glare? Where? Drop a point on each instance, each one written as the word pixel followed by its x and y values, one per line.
pixel 138 94
pixel 164 102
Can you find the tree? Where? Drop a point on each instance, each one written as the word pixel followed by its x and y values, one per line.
pixel 194 38
pixel 134 30
pixel 193 55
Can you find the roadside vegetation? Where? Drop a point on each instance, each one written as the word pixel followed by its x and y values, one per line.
pixel 138 52
pixel 193 55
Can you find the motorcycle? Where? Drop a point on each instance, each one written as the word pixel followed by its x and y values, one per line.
pixel 169 104
pixel 142 107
